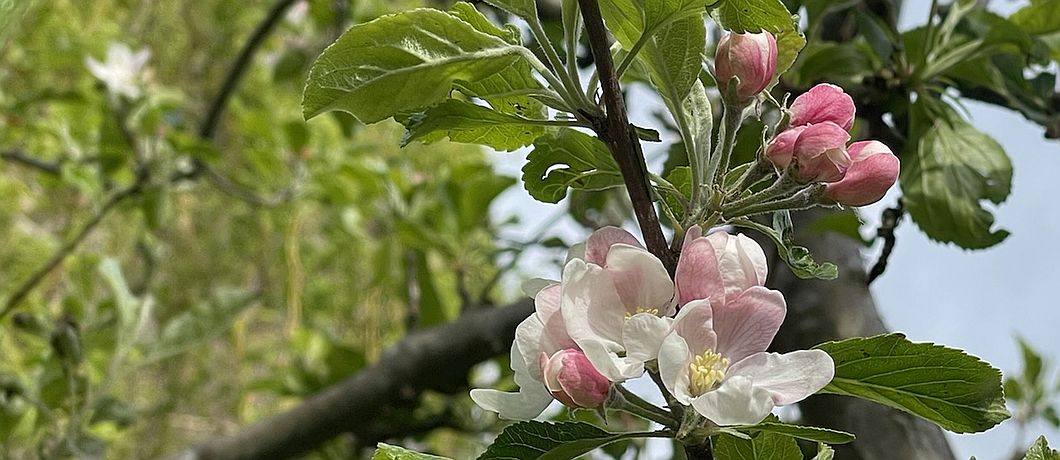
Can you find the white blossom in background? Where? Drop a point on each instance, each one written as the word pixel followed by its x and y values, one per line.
pixel 123 71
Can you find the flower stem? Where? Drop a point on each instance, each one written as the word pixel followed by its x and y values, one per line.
pixel 731 120
pixel 784 183
pixel 625 400
pixel 802 199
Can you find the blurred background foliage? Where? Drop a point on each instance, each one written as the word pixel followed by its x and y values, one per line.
pixel 207 300
pixel 238 267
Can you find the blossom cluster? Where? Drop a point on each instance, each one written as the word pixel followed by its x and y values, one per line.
pixel 815 144
pixel 616 312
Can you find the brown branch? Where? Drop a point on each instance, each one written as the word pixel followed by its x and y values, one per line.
pixel 614 129
pixel 437 359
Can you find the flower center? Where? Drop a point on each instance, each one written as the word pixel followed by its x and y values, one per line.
pixel 639 310
pixel 706 370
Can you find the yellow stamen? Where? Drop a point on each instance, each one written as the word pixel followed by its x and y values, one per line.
pixel 705 371
pixel 652 311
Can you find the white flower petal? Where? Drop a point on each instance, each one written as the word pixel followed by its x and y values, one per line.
pixel 609 364
pixel 694 323
pixel 547 308
pixel 600 242
pixel 738 401
pixel 640 278
pixel 530 342
pixel 532 397
pixel 789 377
pixel 674 358
pixel 643 334
pixel 591 308
pixel 532 286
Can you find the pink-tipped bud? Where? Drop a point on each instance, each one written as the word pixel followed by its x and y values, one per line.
pixel 820 153
pixel 781 148
pixel 573 380
pixel 873 170
pixel 750 57
pixel 824 102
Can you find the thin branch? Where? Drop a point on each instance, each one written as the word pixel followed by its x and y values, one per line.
pixel 20 157
pixel 208 127
pixel 891 218
pixel 69 247
pixel 437 359
pixel 614 129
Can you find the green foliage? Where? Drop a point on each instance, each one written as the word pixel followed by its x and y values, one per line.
pixel 568 159
pixel 954 168
pixel 764 445
pixel 1040 450
pixel 389 452
pixel 808 433
pixel 797 257
pixel 469 123
pixel 414 57
pixel 554 441
pixel 957 391
pixel 1033 392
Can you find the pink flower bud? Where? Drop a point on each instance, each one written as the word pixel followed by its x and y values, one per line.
pixel 824 102
pixel 782 147
pixel 573 380
pixel 750 57
pixel 873 170
pixel 820 153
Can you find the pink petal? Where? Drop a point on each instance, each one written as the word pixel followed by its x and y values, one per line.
pixel 580 381
pixel 873 171
pixel 824 102
pixel 697 275
pixel 789 377
pixel 782 147
pixel 601 240
pixel 747 324
pixel 741 262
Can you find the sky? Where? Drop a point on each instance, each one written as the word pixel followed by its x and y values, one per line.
pixel 978 301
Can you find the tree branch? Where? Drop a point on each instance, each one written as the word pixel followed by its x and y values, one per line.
pixel 69 247
pixel 433 359
pixel 208 127
pixel 614 129
pixel 20 157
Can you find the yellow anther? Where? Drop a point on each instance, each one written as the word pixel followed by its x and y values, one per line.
pixel 705 371
pixel 639 310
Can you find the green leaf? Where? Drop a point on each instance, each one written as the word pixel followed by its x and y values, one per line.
pixel 809 433
pixel 402 62
pixel 797 257
pixel 1032 362
pixel 469 123
pixel 554 441
pixel 389 452
pixel 742 16
pixel 824 452
pixel 526 9
pixel 568 159
pixel 761 446
pixel 955 390
pixel 681 178
pixel 1040 451
pixel 954 168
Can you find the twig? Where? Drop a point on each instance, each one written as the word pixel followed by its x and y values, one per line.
pixel 208 127
pixel 69 247
pixel 614 129
pixel 20 157
pixel 889 222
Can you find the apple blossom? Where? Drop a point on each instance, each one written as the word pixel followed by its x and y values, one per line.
pixel 617 303
pixel 752 58
pixel 823 102
pixel 123 71
pixel 547 364
pixel 873 170
pixel 819 151
pixel 714 359
pixel 719 266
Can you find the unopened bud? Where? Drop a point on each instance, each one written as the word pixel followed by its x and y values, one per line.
pixel 824 102
pixel 751 58
pixel 873 170
pixel 573 380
